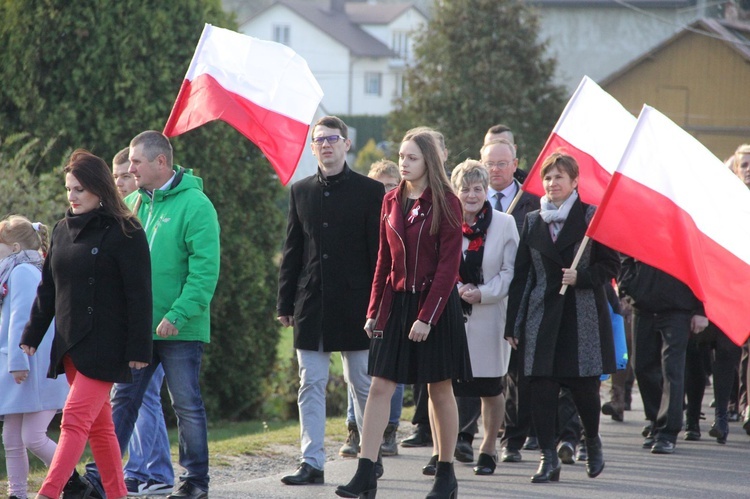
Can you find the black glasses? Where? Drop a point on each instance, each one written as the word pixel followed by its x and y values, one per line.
pixel 331 139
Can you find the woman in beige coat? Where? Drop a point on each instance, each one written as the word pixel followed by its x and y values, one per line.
pixel 489 250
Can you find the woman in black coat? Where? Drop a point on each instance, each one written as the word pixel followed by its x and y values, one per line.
pixel 565 340
pixel 96 285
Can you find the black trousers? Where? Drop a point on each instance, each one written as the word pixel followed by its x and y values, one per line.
pixel 659 363
pixel 545 393
pixel 421 403
pixel 518 424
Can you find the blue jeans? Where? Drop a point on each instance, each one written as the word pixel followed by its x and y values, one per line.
pixel 397 402
pixel 148 450
pixel 182 363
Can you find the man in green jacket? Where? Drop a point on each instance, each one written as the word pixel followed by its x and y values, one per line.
pixel 183 235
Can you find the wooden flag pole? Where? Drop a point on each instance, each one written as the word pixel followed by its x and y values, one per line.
pixel 577 259
pixel 514 202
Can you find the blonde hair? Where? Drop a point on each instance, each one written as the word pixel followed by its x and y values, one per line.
pixel 741 151
pixel 18 229
pixel 384 167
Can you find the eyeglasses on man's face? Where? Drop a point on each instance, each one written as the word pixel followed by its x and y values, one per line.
pixel 331 139
pixel 497 164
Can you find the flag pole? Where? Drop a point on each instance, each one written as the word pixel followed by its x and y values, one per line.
pixel 514 202
pixel 577 259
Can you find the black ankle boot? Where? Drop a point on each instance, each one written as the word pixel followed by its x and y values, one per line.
pixel 595 462
pixel 363 485
pixel 720 428
pixel 445 485
pixel 549 467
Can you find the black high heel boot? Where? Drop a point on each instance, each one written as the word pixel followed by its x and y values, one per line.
pixel 595 461
pixel 445 485
pixel 549 467
pixel 720 428
pixel 363 485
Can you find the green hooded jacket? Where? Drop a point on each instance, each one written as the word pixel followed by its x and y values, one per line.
pixel 183 236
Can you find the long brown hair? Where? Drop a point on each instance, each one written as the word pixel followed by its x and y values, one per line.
pixel 437 180
pixel 94 175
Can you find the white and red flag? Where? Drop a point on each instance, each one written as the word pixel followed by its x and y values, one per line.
pixel 594 128
pixel 674 205
pixel 263 89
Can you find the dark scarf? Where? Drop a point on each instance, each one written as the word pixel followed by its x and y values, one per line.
pixel 471 264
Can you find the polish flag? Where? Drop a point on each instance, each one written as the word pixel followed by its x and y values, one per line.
pixel 674 205
pixel 263 89
pixel 594 128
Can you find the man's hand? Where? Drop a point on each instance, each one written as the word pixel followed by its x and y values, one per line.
pixel 698 323
pixel 166 329
pixel 134 364
pixel 20 376
pixel 286 320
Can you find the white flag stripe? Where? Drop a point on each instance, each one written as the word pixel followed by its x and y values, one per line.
pixel 698 182
pixel 259 70
pixel 595 122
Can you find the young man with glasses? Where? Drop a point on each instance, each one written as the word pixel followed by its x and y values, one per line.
pixel 326 272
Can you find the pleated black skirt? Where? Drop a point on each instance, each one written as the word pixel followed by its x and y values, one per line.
pixel 445 354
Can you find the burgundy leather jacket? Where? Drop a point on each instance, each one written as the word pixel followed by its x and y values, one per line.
pixel 412 260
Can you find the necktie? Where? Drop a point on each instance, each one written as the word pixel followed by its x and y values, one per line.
pixel 498 203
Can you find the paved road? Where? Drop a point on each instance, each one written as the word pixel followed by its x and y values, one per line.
pixel 701 469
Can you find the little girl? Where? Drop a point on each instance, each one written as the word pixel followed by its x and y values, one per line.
pixel 29 399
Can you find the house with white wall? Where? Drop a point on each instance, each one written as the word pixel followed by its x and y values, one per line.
pixel 357 50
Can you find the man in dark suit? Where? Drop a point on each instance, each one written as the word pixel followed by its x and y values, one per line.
pixel 327 266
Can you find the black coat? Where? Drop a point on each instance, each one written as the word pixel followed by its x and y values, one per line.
pixel 526 204
pixel 96 284
pixel 562 335
pixel 329 259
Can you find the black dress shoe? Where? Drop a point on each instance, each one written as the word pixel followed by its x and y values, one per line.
pixel 420 438
pixel 566 452
pixel 692 432
pixel 531 443
pixel 719 430
pixel 610 409
pixel 646 431
pixel 486 464
pixel 649 442
pixel 304 475
pixel 431 466
pixel 508 455
pixel 187 490
pixel 464 452
pixel 662 447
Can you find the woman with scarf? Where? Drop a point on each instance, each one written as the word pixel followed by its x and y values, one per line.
pixel 489 249
pixel 96 286
pixel 565 339
pixel 29 400
pixel 414 318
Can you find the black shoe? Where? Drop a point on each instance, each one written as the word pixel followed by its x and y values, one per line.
pixel 646 431
pixel 187 490
pixel 719 430
pixel 549 468
pixel 420 438
pixel 363 485
pixel 379 470
pixel 78 487
pixel 609 409
pixel 508 455
pixel 582 456
pixel 431 466
pixel 662 447
pixel 389 447
pixel 304 475
pixel 746 426
pixel 486 464
pixel 649 442
pixel 445 485
pixel 566 452
pixel 692 432
pixel 531 443
pixel 595 461
pixel 464 452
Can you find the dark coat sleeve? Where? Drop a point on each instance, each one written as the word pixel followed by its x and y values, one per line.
pixel 134 261
pixel 43 310
pixel 291 259
pixel 521 277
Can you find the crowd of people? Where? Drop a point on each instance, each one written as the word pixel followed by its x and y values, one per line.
pixel 458 283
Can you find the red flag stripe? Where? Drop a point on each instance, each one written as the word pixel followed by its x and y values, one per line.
pixel 592 178
pixel 281 138
pixel 633 223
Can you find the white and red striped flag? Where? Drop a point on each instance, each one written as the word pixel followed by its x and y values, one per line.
pixel 263 89
pixel 674 205
pixel 594 128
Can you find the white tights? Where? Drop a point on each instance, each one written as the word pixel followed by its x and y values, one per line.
pixel 21 432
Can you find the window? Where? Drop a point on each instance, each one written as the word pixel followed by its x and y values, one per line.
pixel 400 44
pixel 400 86
pixel 281 33
pixel 373 83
